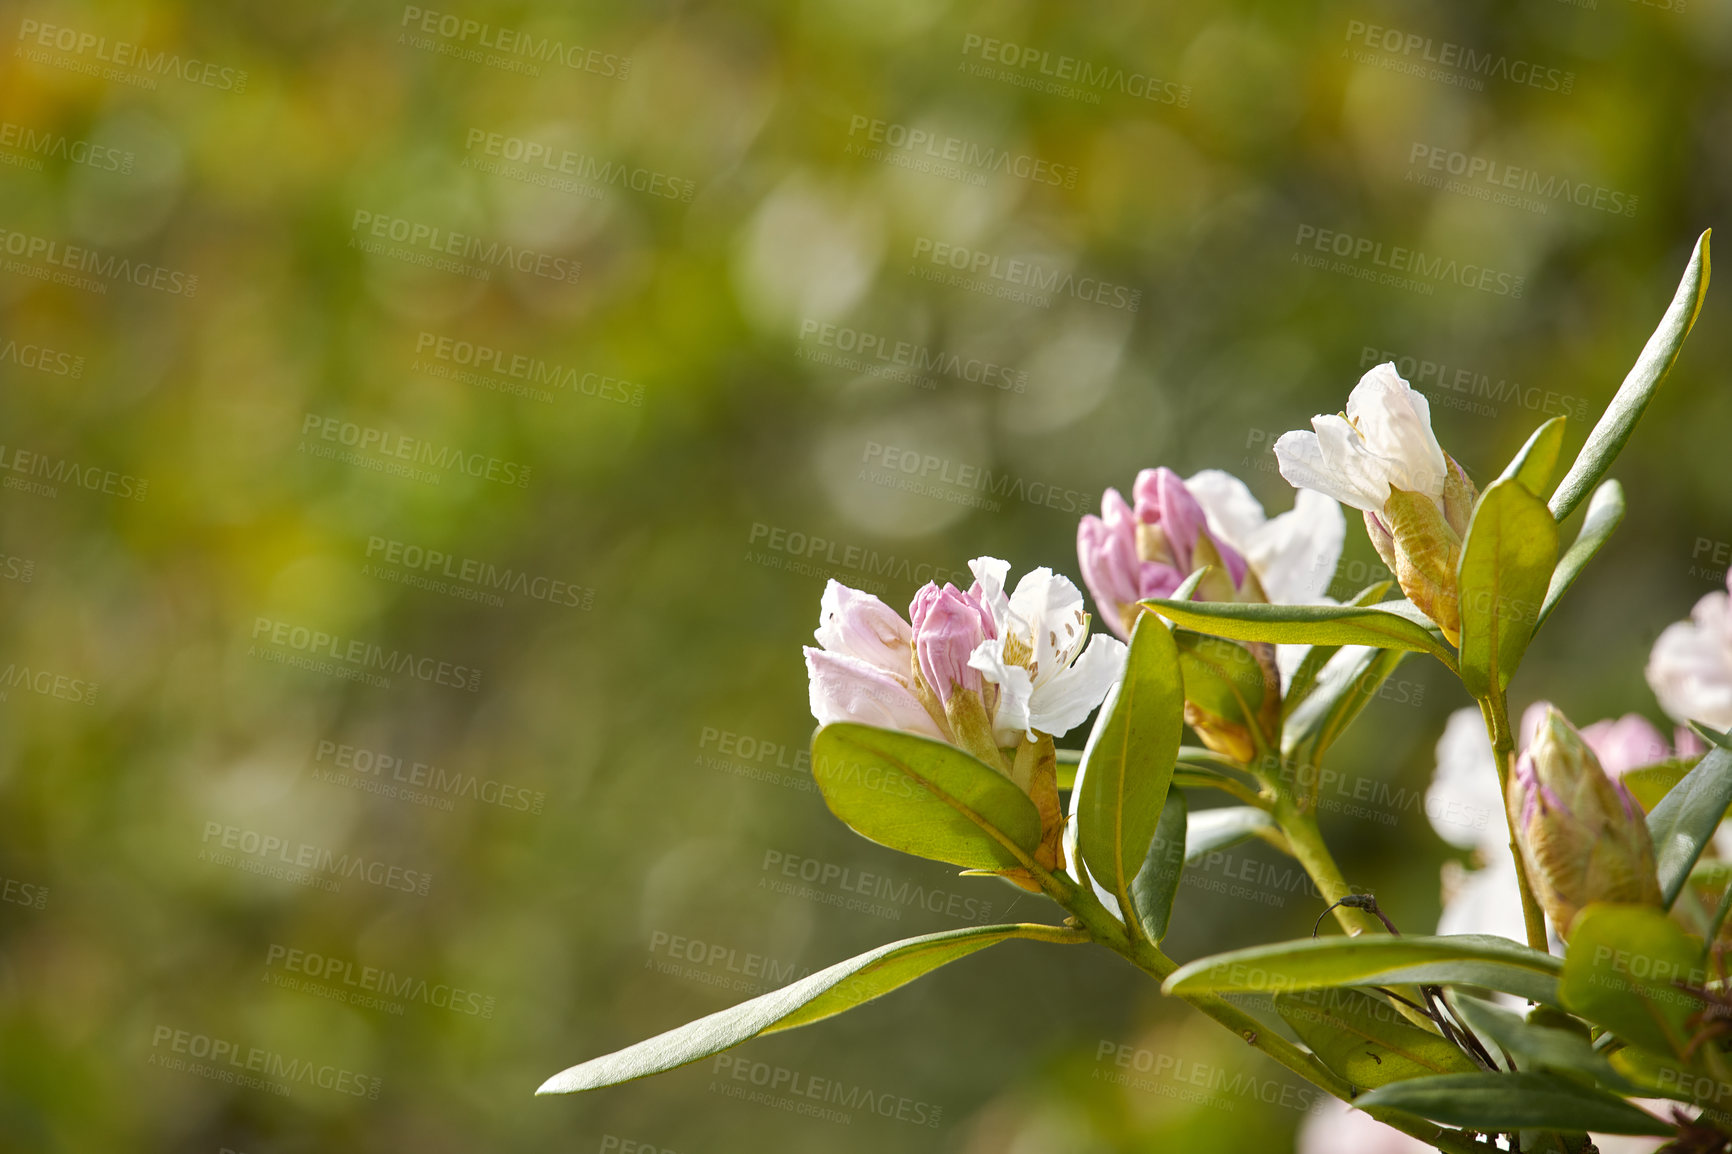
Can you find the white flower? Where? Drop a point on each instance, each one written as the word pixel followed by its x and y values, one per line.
pixel 1384 440
pixel 1047 679
pixel 1293 554
pixel 1690 668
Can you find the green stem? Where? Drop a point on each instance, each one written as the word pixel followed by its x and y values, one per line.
pixel 1495 709
pixel 1305 841
pixel 1146 956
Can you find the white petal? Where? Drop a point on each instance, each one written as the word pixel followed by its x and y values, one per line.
pixel 1308 462
pixel 1233 513
pixel 1395 422
pixel 1295 554
pixel 1487 901
pixel 990 573
pixel 1046 613
pixel 1010 720
pixel 1334 1127
pixel 1465 802
pixel 1064 702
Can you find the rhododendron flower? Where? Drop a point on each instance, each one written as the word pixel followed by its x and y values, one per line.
pixel 1690 668
pixel 1382 458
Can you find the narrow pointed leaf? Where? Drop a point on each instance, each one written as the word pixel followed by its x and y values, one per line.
pixel 1537 463
pixel 1628 969
pixel 1305 625
pixel 1537 1047
pixel 1479 960
pixel 1605 510
pixel 1347 685
pixel 1619 419
pixel 1506 564
pixel 924 797
pixel 1128 764
pixel 1365 1039
pixel 814 997
pixel 1208 830
pixel 1686 818
pixel 1488 1101
pixel 1157 881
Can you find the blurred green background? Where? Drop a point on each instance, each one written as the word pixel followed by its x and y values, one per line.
pixel 488 351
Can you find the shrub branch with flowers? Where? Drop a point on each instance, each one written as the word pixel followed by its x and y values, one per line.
pixel 1577 983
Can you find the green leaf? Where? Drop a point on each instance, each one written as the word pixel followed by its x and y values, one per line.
pixel 1620 417
pixel 1488 1101
pixel 1208 830
pixel 1221 677
pixel 1537 463
pixel 1687 817
pixel 1304 678
pixel 1305 625
pixel 1128 763
pixel 1605 510
pixel 1538 1047
pixel 1374 960
pixel 1365 1040
pixel 1157 882
pixel 1713 736
pixel 1650 783
pixel 829 991
pixel 1506 564
pixel 1623 972
pixel 924 797
pixel 1348 684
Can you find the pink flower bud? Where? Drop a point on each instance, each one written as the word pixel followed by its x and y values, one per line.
pixel 948 625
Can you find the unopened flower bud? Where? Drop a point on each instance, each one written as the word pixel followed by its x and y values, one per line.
pixel 1582 836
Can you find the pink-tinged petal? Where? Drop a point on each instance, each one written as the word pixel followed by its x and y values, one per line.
pixel 1690 667
pixel 1162 499
pixel 1628 743
pixel 1334 1127
pixel 1157 580
pixel 859 625
pixel 948 624
pixel 846 688
pixel 1107 555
